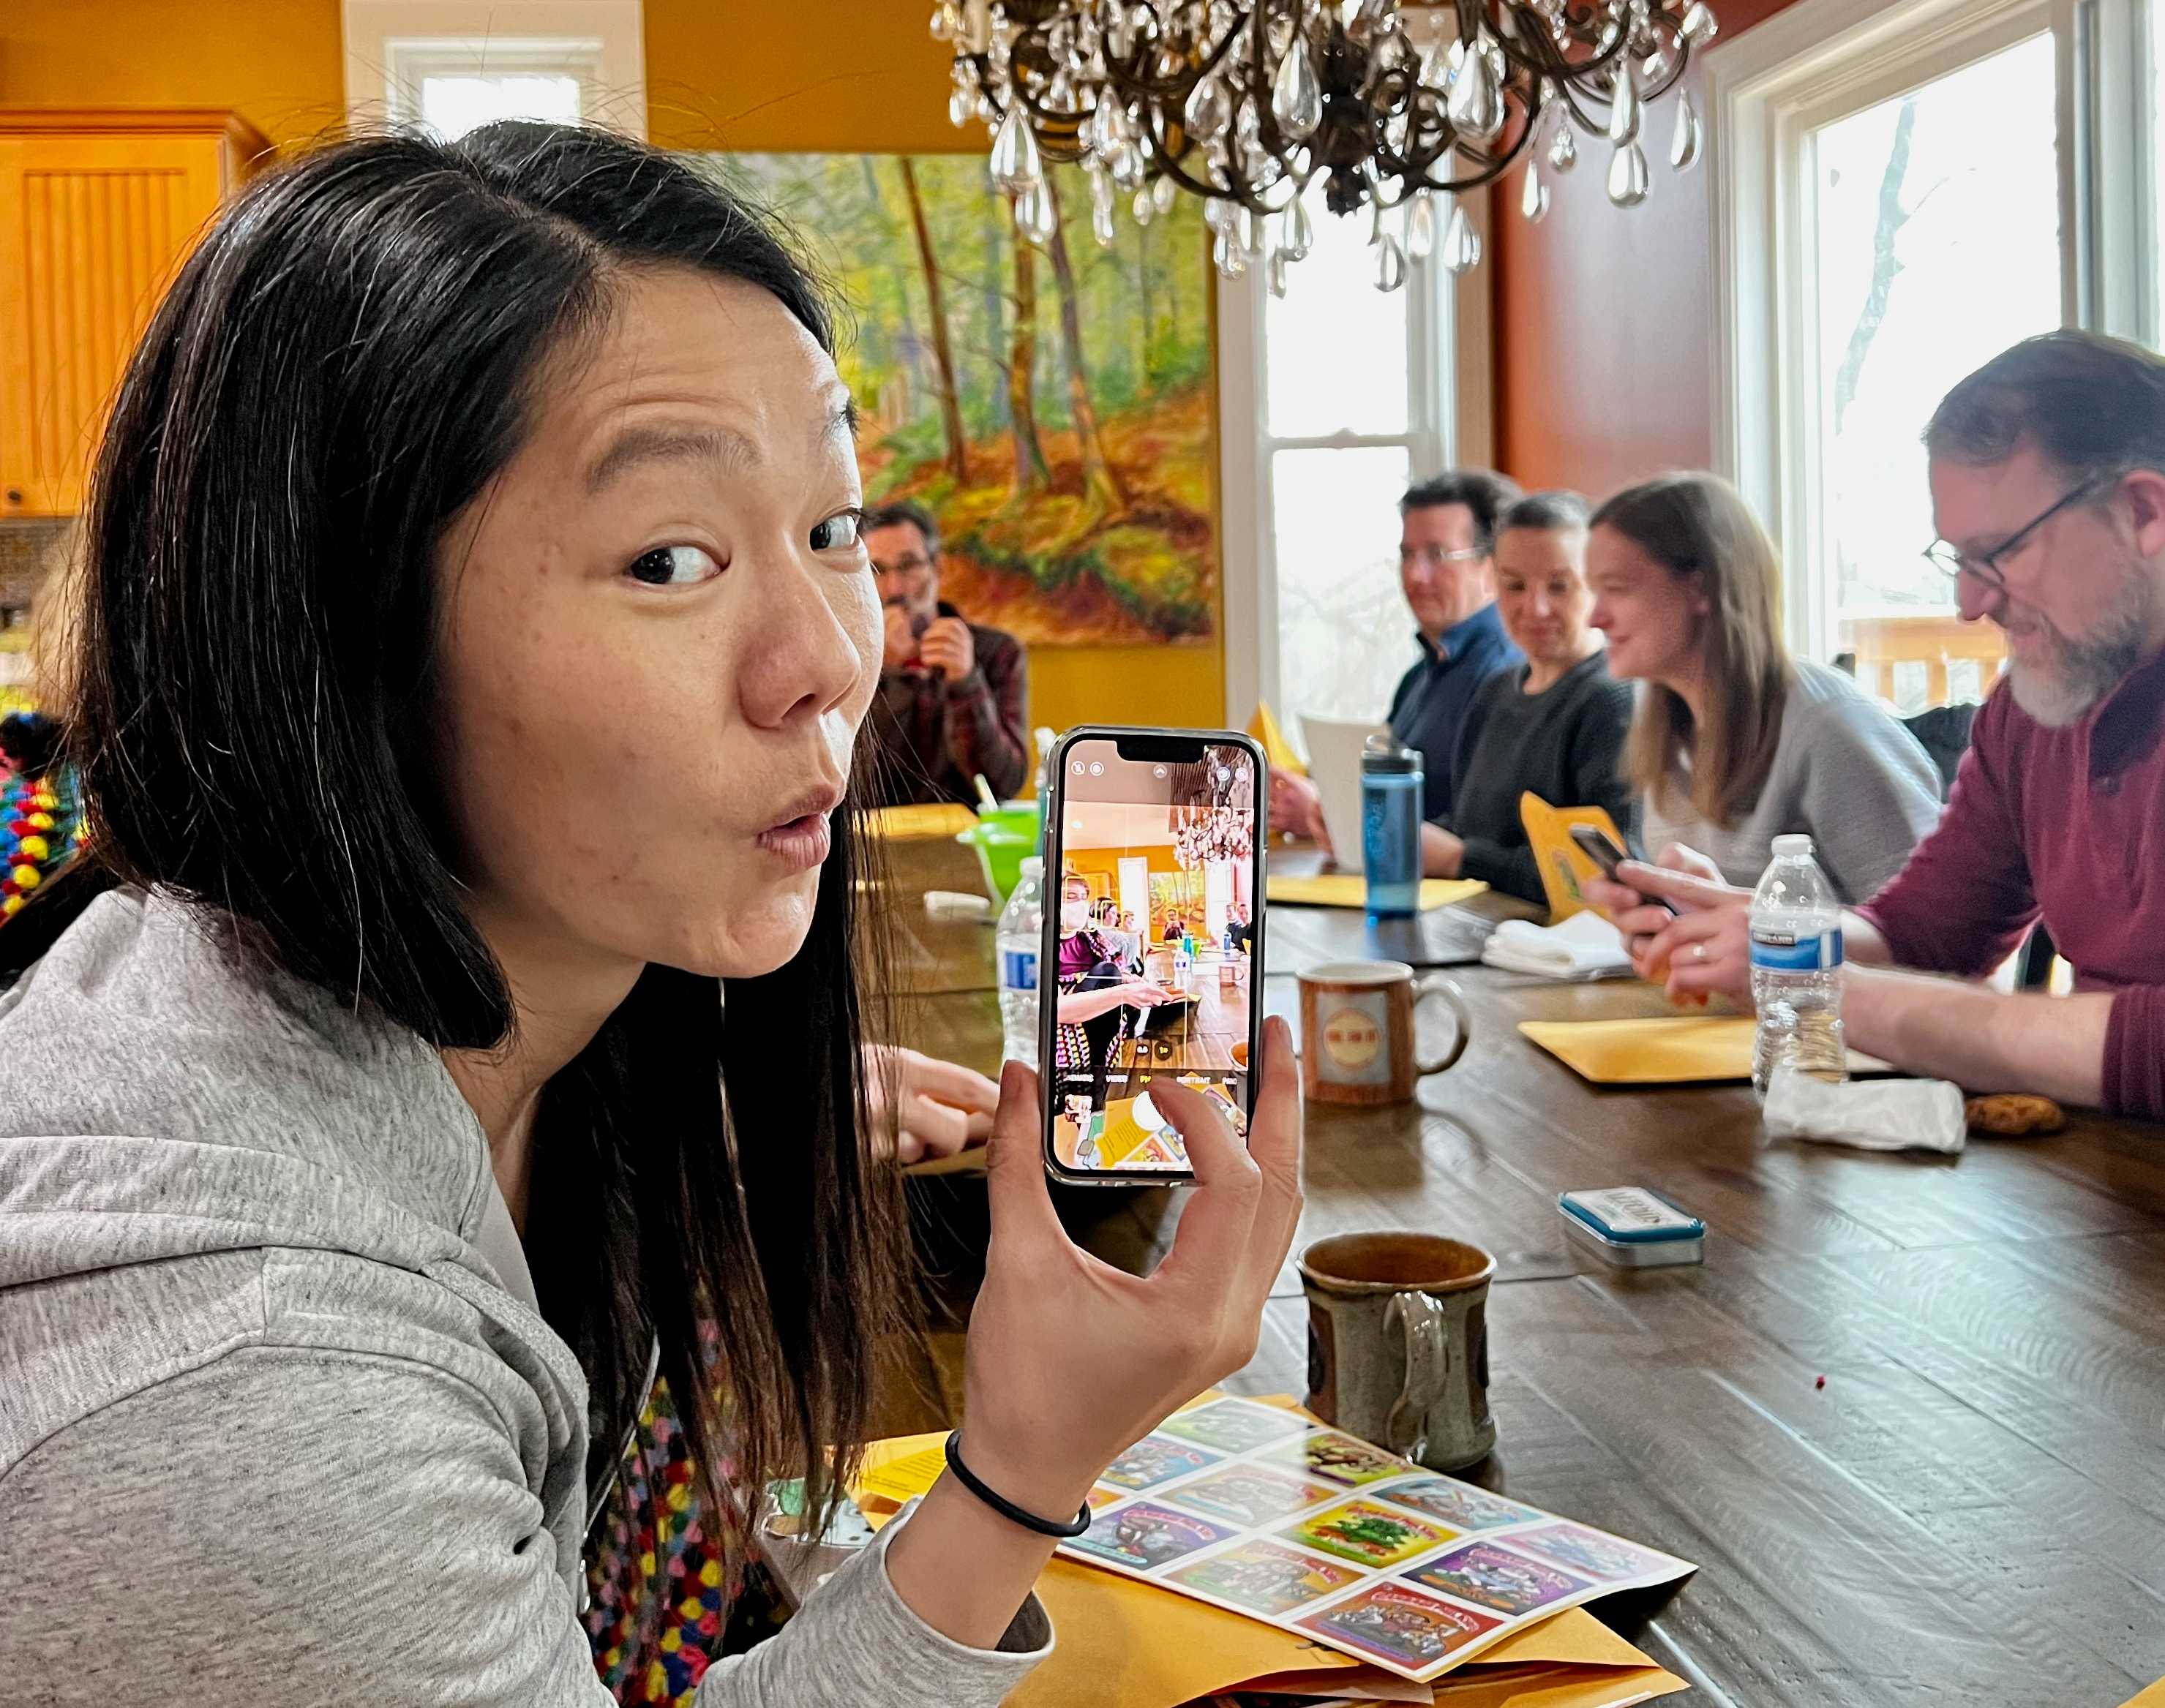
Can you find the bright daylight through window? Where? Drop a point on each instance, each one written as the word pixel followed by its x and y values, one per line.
pixel 1350 407
pixel 1934 243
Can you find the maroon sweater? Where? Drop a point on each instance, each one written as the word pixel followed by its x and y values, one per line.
pixel 2068 823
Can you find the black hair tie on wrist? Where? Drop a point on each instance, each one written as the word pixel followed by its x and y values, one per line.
pixel 1007 1509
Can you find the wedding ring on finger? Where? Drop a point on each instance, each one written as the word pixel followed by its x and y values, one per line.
pixel 1699 951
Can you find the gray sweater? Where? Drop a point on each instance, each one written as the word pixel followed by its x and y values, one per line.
pixel 1846 773
pixel 273 1426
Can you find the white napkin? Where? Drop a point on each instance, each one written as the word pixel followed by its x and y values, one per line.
pixel 1870 1114
pixel 1585 946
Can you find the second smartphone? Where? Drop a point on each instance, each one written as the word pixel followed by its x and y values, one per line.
pixel 1151 967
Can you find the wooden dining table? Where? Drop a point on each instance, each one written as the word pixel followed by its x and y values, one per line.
pixel 1908 1416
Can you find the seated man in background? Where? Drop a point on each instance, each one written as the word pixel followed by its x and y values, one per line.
pixel 2047 470
pixel 1447 569
pixel 1553 726
pixel 954 696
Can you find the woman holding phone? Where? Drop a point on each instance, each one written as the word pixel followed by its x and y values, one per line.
pixel 458 1020
pixel 1734 743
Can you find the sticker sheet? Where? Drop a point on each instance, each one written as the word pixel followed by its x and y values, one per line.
pixel 1255 1509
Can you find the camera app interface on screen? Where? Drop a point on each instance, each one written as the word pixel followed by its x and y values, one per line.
pixel 1156 972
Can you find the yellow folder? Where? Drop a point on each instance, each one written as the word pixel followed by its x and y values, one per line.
pixel 1350 889
pixel 1564 865
pixel 1665 1051
pixel 1276 747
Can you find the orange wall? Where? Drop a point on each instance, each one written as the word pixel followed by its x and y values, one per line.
pixel 846 76
pixel 276 62
pixel 1603 370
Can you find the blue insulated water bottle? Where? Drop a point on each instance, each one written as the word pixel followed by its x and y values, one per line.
pixel 1390 828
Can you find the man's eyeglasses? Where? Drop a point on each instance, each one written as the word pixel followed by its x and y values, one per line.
pixel 910 566
pixel 1435 557
pixel 1984 567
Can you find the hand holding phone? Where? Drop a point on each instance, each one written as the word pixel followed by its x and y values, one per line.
pixel 1601 848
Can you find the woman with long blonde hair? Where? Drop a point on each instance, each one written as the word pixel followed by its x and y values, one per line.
pixel 1734 741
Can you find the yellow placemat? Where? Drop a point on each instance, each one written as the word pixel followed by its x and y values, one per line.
pixel 2154 1697
pixel 936 818
pixel 1665 1051
pixel 1350 889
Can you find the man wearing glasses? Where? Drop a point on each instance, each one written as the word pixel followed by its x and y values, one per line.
pixel 954 696
pixel 1447 569
pixel 2047 470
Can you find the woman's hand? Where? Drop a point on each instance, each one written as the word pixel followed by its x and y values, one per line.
pixel 1700 943
pixel 1071 1360
pixel 1140 993
pixel 933 1108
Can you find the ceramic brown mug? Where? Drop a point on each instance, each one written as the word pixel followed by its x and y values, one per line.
pixel 1357 1030
pixel 1398 1344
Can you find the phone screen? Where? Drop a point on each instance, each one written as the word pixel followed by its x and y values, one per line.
pixel 1154 905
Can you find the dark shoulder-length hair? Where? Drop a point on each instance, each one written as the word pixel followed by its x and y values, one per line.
pixel 1698 527
pixel 343 363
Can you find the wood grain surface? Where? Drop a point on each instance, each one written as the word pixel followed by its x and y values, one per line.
pixel 1971 1509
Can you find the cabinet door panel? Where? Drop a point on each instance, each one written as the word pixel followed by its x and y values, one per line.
pixel 91 230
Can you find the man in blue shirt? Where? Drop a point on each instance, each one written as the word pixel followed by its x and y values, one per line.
pixel 1447 569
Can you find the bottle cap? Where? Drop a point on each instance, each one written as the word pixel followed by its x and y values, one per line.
pixel 1033 865
pixel 1381 753
pixel 1792 847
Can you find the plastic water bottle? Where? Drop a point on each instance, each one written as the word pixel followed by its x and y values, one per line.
pixel 1184 959
pixel 1796 968
pixel 1019 936
pixel 1391 797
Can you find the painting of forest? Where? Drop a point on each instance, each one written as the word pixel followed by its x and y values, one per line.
pixel 1053 408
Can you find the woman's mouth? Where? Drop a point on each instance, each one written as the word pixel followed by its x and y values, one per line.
pixel 802 840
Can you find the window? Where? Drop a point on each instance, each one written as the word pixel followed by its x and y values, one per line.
pixel 1895 203
pixel 1339 402
pixel 453 65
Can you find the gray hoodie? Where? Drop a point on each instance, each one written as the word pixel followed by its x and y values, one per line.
pixel 278 1420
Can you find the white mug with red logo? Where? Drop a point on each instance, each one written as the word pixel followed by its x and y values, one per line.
pixel 1356 1028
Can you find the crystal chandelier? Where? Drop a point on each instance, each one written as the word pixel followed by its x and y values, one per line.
pixel 1213 814
pixel 1398 107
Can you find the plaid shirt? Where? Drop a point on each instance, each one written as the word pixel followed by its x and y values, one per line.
pixel 934 735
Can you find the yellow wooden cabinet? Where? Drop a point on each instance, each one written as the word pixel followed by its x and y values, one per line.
pixel 97 210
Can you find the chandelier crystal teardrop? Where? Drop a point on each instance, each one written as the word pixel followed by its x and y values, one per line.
pixel 1380 103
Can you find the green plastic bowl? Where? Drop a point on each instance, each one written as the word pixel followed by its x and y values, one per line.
pixel 1004 839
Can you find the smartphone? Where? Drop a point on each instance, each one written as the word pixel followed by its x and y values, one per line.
pixel 1167 827
pixel 1599 846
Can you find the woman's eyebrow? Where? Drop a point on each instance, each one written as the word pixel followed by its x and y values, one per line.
pixel 731 452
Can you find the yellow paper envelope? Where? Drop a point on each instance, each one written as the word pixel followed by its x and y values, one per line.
pixel 1682 1049
pixel 1276 748
pixel 934 819
pixel 2154 1697
pixel 1564 865
pixel 1350 889
pixel 1121 1643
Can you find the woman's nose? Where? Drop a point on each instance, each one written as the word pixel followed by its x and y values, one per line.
pixel 801 658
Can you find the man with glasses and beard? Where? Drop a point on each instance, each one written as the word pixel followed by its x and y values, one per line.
pixel 954 695
pixel 2047 470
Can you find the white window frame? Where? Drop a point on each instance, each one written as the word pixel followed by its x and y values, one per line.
pixel 391 45
pixel 1817 62
pixel 1247 505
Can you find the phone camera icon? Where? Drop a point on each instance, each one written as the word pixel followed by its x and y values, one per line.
pixel 1097 768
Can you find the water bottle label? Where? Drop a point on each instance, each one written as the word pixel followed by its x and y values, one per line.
pixel 1785 951
pixel 1018 969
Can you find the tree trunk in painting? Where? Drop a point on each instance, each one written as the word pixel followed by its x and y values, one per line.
pixel 1101 486
pixel 1030 474
pixel 943 354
